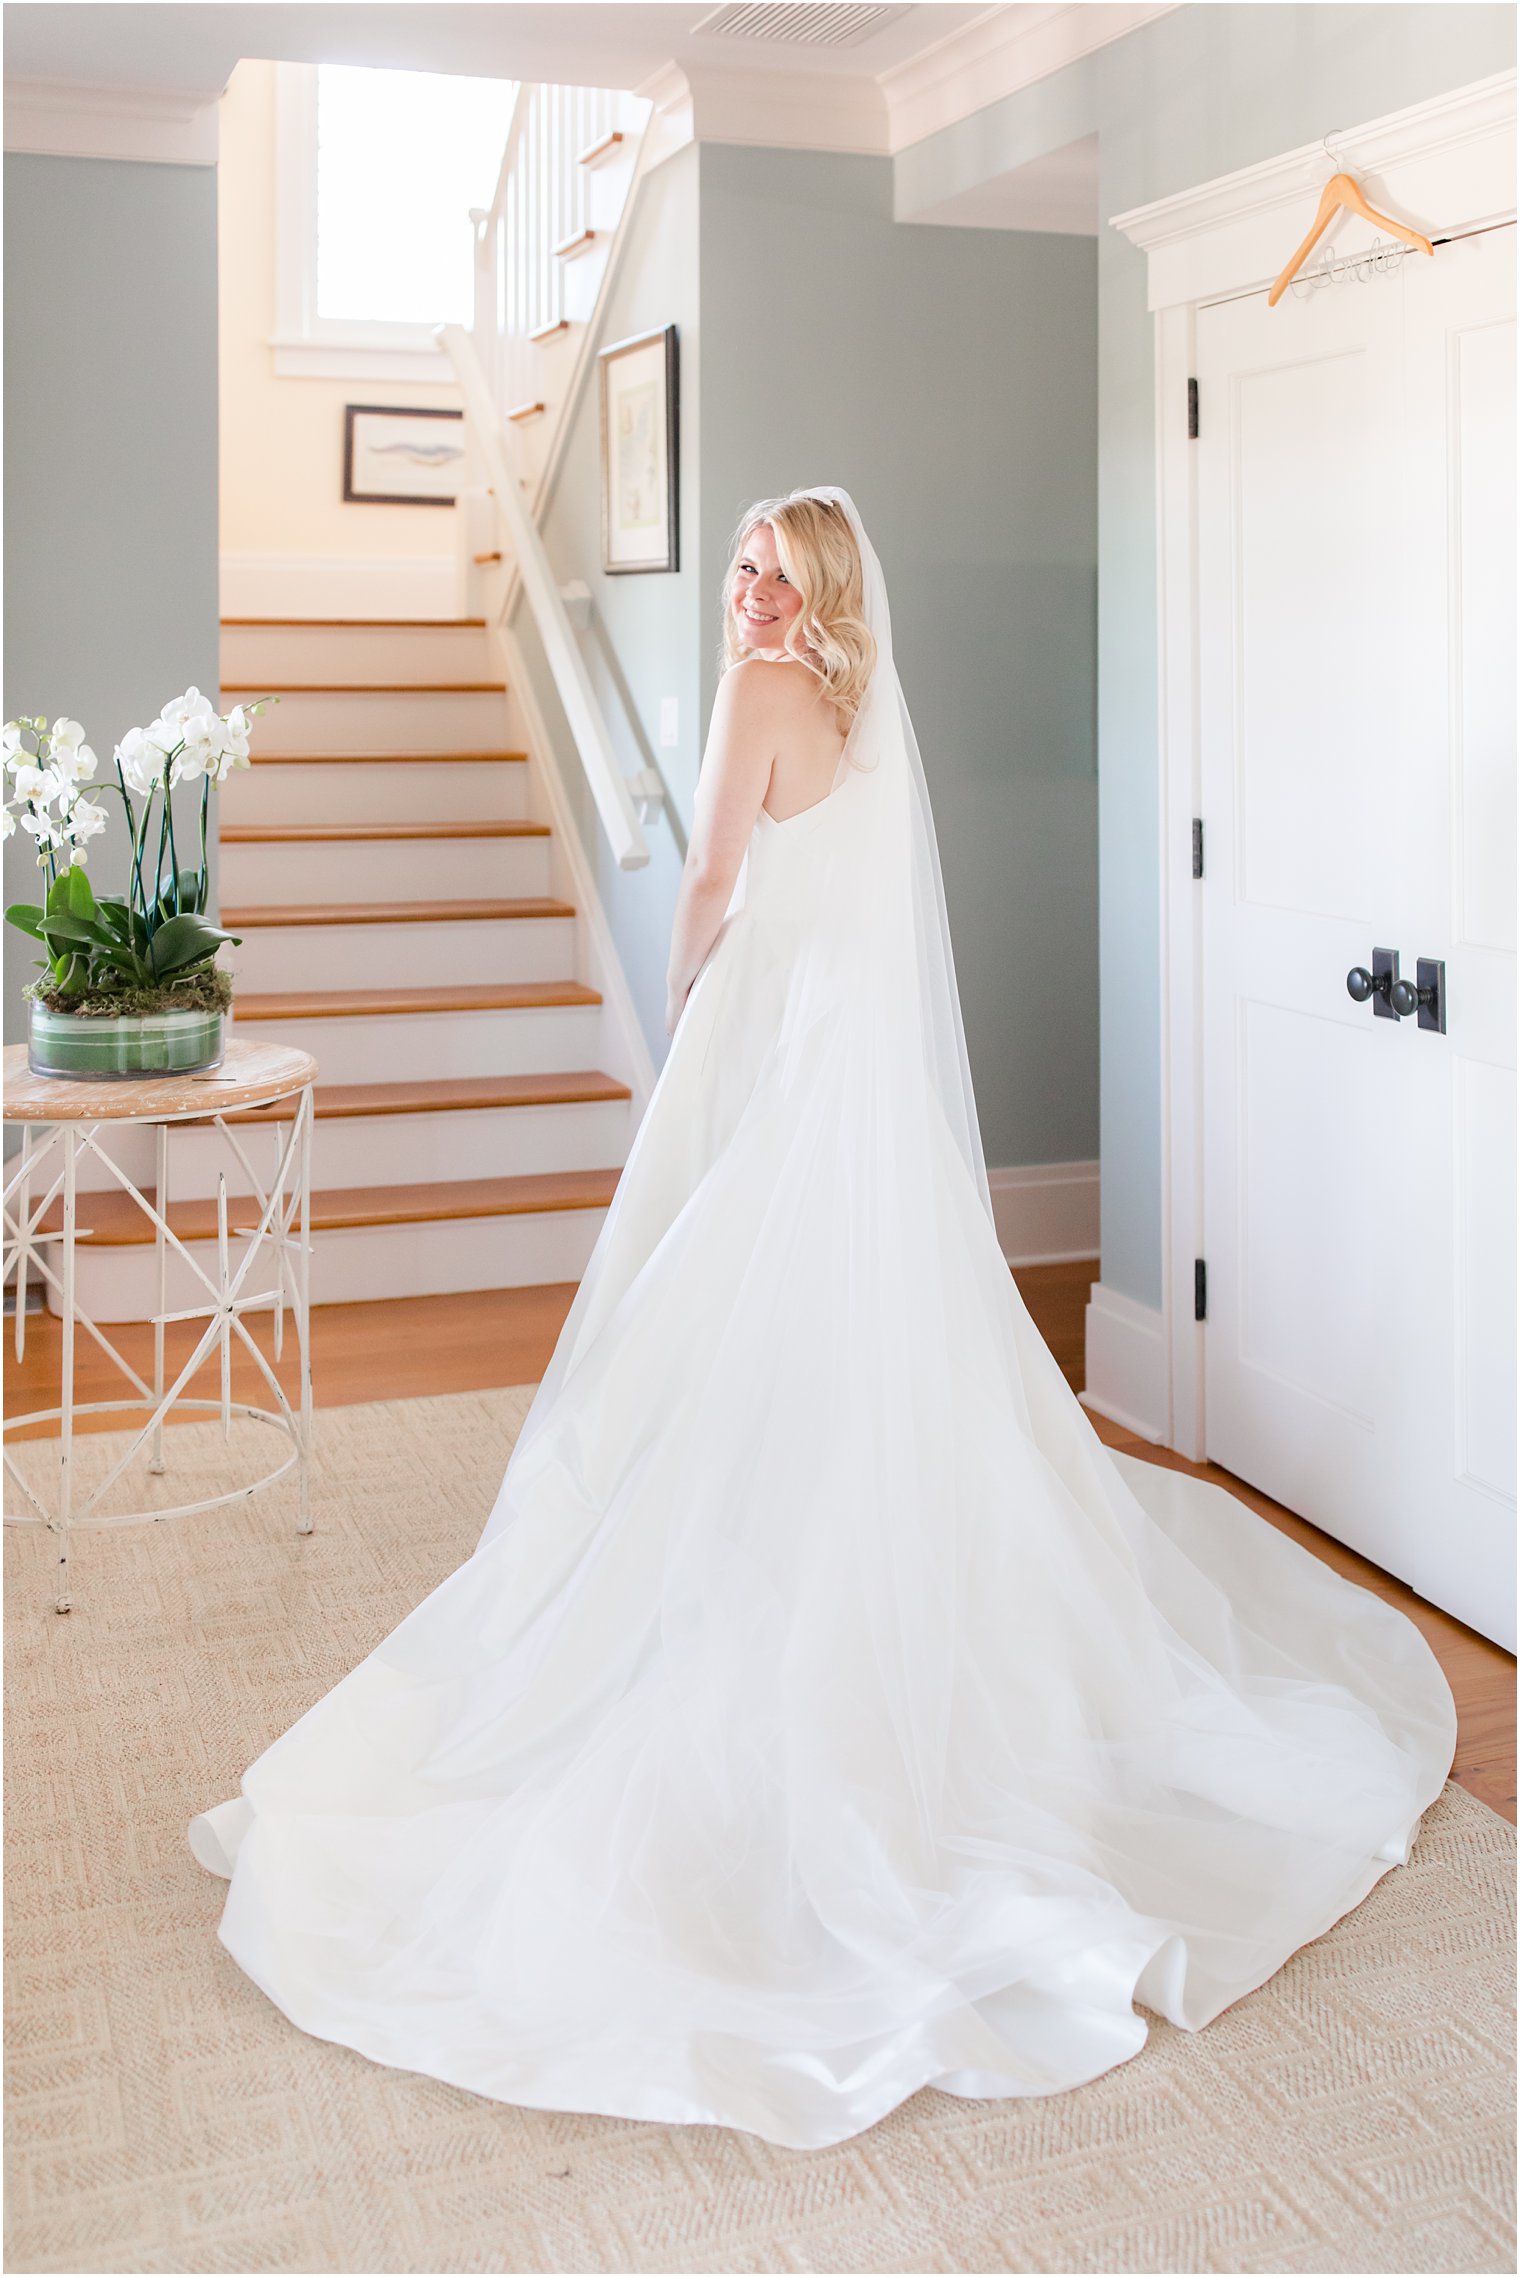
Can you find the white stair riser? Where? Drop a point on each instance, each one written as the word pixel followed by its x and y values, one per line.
pixel 410 1046
pixel 384 1150
pixel 268 654
pixel 281 871
pixel 583 279
pixel 436 790
pixel 442 721
pixel 357 1264
pixel 278 957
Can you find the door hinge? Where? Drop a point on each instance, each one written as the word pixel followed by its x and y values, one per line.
pixel 1192 411
pixel 1198 845
pixel 1200 1289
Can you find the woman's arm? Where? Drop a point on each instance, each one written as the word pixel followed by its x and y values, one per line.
pixel 752 701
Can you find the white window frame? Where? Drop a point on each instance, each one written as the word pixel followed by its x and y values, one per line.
pixel 306 345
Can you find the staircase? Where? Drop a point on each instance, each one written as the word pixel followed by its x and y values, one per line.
pixel 414 907
pixel 408 917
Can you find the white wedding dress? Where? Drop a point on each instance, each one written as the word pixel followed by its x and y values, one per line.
pixel 824 1711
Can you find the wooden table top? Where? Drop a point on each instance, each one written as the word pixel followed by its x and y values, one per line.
pixel 250 1073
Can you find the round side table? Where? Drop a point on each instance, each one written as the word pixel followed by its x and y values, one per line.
pixel 63 1124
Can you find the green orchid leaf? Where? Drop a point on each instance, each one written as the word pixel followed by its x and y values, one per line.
pixel 132 968
pixel 71 929
pixel 185 940
pixel 81 896
pixel 26 917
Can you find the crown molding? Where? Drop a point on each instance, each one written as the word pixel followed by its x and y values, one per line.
pixel 1000 52
pixel 671 124
pixel 1445 162
pixel 67 118
pixel 785 110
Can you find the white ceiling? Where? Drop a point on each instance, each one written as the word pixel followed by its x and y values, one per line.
pixel 191 46
pixel 142 78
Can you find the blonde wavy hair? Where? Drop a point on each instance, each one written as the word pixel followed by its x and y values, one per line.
pixel 829 635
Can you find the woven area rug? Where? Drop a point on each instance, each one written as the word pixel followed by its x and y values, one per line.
pixel 1354 2114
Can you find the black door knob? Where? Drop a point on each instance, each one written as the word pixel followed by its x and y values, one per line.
pixel 1427 996
pixel 1377 984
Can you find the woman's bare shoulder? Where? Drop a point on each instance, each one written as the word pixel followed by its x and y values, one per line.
pixel 752 689
pixel 772 681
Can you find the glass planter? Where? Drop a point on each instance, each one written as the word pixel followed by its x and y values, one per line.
pixel 82 1045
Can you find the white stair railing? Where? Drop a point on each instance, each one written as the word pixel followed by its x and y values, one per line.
pixel 613 795
pixel 548 203
pixel 545 253
pixel 544 248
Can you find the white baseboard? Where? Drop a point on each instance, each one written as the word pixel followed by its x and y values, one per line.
pixel 1126 1363
pixel 1046 1212
pixel 340 585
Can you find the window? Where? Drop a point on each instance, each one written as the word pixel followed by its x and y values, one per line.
pixel 377 172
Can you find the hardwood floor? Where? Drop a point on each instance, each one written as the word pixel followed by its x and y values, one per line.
pixel 412 1346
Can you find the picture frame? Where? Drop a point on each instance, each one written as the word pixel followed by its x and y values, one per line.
pixel 640 445
pixel 394 456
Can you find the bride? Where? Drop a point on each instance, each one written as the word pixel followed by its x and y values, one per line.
pixel 824 1711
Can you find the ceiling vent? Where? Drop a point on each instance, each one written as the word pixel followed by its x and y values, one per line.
pixel 830 23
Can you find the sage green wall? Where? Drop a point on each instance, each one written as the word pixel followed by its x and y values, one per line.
pixel 946 377
pixel 1197 93
pixel 111 567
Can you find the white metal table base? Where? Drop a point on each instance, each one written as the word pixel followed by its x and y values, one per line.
pixel 47 1167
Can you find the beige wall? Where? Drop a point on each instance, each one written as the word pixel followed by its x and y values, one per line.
pixel 282 439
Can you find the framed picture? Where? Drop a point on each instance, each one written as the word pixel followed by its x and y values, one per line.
pixel 640 453
pixel 400 456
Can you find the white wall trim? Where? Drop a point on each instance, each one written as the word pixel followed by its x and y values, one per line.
pixel 1439 165
pixel 65 118
pixel 999 53
pixel 1126 1363
pixel 341 585
pixel 786 110
pixel 671 124
pixel 361 360
pixel 1449 165
pixel 1046 1212
pixel 1181 920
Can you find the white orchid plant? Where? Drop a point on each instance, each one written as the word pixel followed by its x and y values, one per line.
pixel 155 947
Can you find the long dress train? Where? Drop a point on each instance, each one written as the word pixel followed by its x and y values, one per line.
pixel 824 1711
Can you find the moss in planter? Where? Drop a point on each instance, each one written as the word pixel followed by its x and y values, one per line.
pixel 208 991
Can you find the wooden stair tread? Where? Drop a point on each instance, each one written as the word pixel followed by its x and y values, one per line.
pixel 465 996
pixel 385 758
pixel 447 1095
pixel 338 833
pixel 113 1219
pixel 364 687
pixel 250 916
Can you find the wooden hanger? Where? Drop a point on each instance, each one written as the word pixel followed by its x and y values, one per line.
pixel 1342 190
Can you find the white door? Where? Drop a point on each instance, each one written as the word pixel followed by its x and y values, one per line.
pixel 1356 561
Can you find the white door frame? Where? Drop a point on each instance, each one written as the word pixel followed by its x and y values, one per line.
pixel 1446 167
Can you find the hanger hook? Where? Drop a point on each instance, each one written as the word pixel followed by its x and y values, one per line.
pixel 1333 158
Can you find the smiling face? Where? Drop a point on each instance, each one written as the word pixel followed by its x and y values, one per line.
pixel 762 599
